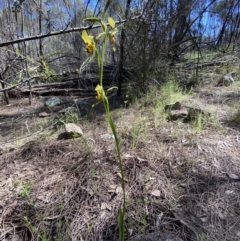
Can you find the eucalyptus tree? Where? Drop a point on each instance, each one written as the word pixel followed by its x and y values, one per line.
pixel 227 13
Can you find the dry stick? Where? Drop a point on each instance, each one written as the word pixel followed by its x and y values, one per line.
pixel 14 86
pixel 27 127
pixel 30 92
pixel 2 236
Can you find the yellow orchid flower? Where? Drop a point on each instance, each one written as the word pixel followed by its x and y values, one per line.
pixel 89 41
pixel 100 92
pixel 111 22
pixel 112 39
pixel 111 34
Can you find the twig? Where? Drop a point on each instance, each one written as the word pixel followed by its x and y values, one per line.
pixel 27 128
pixel 19 84
pixel 2 236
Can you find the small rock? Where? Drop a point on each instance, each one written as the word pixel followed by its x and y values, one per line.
pixel 233 176
pixel 107 137
pixel 217 93
pixel 43 114
pixel 226 80
pixel 156 193
pixel 196 111
pixel 193 114
pixel 175 106
pixel 228 192
pixel 73 131
pixel 53 101
pixel 83 106
pixel 130 231
pixel 177 114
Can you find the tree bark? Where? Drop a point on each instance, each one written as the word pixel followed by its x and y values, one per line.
pixel 40 29
pixel 2 76
pixel 121 58
pixel 183 9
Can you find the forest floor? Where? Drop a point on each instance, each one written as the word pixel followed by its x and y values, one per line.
pixel 182 178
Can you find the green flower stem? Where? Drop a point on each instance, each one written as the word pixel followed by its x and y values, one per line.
pixel 101 59
pixel 101 95
pixel 112 125
pixel 104 46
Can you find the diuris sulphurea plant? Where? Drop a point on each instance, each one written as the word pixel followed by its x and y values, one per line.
pixel 96 47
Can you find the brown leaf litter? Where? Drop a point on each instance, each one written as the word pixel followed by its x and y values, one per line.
pixel 181 187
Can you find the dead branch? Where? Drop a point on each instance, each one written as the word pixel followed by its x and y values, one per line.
pixel 207 64
pixel 19 84
pixel 63 31
pixel 57 91
pixel 55 84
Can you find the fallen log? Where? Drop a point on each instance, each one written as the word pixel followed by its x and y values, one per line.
pixel 192 66
pixel 55 84
pixel 84 83
pixel 53 91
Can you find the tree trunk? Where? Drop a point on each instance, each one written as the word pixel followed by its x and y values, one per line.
pixel 121 58
pixel 2 76
pixel 40 29
pixel 183 9
pixel 6 97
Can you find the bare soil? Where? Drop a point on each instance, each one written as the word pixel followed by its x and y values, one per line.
pixel 180 184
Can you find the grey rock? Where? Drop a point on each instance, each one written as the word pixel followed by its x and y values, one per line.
pixel 217 93
pixel 193 114
pixel 175 106
pixel 233 176
pixel 83 106
pixel 226 80
pixel 107 137
pixel 73 130
pixel 177 114
pixel 53 101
